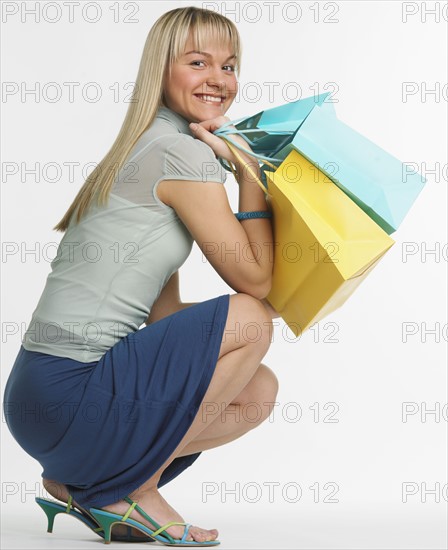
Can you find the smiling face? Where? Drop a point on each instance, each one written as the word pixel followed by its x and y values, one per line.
pixel 202 85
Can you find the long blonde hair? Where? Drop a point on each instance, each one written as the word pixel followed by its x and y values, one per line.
pixel 164 44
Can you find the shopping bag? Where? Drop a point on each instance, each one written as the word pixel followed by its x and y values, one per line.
pixel 270 130
pixel 324 244
pixel 374 179
pixel 369 175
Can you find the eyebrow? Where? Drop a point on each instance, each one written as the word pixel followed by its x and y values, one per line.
pixel 207 54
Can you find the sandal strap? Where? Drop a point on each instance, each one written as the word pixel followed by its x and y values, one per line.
pixel 69 504
pixel 187 526
pixel 159 528
pixel 128 513
pixel 184 536
pixel 140 511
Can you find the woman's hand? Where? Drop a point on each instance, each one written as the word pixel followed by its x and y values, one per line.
pixel 204 132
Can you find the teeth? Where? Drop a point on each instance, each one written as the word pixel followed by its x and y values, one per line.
pixel 210 98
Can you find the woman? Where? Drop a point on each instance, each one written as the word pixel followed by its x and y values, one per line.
pixel 123 410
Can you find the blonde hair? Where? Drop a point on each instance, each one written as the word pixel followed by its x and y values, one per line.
pixel 164 45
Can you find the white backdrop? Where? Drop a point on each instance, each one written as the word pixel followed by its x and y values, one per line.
pixel 352 456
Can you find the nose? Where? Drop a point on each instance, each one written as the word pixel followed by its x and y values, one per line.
pixel 214 84
pixel 215 81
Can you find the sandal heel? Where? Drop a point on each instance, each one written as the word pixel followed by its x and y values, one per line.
pixel 105 523
pixel 50 511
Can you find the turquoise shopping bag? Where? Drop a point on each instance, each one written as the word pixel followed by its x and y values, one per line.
pixel 375 180
pixel 288 117
pixel 270 130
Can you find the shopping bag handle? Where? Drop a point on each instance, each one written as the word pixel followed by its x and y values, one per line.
pixel 242 133
pixel 258 156
pixel 252 173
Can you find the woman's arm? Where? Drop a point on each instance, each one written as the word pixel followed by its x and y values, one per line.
pixel 251 198
pixel 256 239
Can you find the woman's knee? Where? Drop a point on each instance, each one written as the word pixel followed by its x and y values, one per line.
pixel 262 388
pixel 268 383
pixel 258 398
pixel 248 323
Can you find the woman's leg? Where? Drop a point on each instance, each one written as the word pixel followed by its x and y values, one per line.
pixel 246 339
pixel 252 406
pixel 249 409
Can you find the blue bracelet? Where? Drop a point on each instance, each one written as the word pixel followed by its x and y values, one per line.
pixel 254 214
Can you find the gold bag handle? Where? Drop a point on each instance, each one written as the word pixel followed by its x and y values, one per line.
pixel 252 173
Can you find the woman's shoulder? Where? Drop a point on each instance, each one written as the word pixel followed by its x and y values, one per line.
pixel 191 157
pixel 164 137
pixel 160 131
pixel 177 151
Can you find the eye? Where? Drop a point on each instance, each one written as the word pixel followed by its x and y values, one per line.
pixel 231 67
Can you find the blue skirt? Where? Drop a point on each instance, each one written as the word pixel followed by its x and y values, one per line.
pixel 104 428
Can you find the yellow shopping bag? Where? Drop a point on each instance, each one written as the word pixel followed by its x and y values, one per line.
pixel 324 244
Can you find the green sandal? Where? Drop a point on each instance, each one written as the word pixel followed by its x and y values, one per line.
pixel 107 519
pixel 52 508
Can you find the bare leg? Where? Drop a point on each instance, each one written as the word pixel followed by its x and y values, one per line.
pixel 246 339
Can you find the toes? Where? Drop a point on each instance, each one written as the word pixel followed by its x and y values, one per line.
pixel 201 535
pixel 198 534
pixel 206 535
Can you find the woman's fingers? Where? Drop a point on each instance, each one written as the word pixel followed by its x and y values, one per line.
pixel 217 144
pixel 213 124
pixel 204 131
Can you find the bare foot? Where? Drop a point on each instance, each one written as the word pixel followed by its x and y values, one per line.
pixel 59 491
pixel 158 508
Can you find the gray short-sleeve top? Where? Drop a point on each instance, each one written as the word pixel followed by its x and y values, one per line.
pixel 111 266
